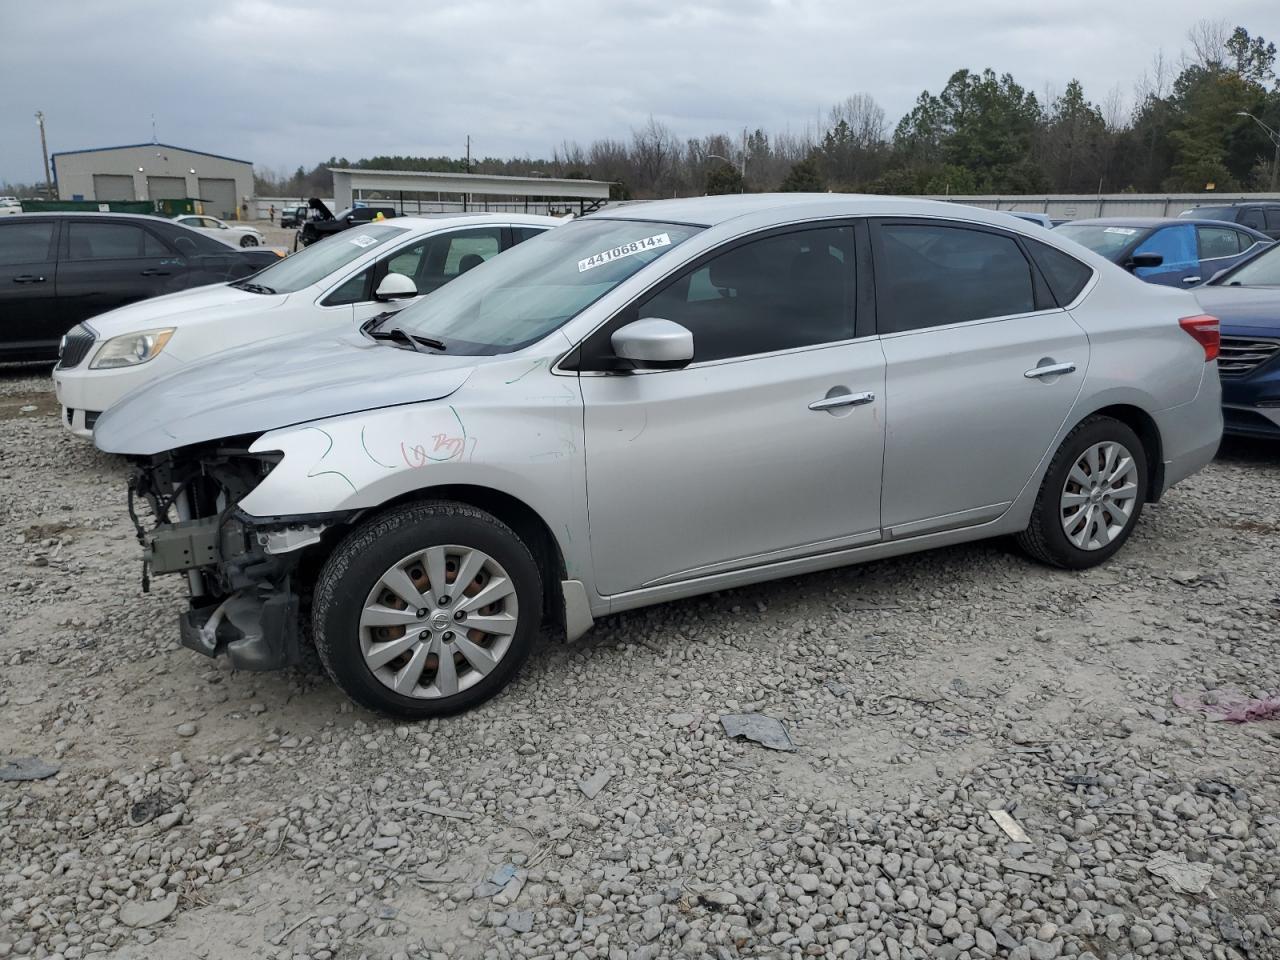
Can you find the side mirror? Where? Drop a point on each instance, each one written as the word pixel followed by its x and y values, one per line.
pixel 1143 260
pixel 395 286
pixel 350 218
pixel 653 344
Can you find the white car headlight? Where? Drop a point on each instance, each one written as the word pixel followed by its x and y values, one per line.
pixel 131 349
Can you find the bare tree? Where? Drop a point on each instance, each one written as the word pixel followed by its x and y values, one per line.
pixel 654 149
pixel 1208 39
pixel 864 118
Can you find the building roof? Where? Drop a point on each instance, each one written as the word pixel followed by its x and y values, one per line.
pixel 133 146
pixel 473 183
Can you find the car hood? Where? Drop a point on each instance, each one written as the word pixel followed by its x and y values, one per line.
pixel 1255 308
pixel 185 307
pixel 272 384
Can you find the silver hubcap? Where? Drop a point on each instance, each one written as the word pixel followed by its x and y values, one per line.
pixel 1099 496
pixel 438 621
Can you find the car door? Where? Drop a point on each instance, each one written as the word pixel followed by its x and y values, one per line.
pixel 30 321
pixel 1177 245
pixel 766 447
pixel 981 367
pixel 1219 248
pixel 105 264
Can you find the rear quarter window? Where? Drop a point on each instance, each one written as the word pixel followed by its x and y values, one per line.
pixel 1065 274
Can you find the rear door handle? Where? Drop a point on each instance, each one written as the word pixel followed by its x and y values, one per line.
pixel 1050 370
pixel 842 400
pixel 155 273
pixel 28 278
pixel 1190 279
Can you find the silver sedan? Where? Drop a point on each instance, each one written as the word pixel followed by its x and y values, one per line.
pixel 658 401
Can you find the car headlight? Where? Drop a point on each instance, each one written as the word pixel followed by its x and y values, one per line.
pixel 131 349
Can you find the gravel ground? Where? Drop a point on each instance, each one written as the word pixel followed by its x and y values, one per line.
pixel 598 809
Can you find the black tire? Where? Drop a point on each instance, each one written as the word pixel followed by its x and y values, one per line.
pixel 247 241
pixel 369 551
pixel 1044 539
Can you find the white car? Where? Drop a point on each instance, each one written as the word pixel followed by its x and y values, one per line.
pixel 235 235
pixel 343 280
pixel 10 205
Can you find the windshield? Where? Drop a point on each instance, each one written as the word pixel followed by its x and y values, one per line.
pixel 1107 240
pixel 521 296
pixel 1262 271
pixel 1210 213
pixel 317 261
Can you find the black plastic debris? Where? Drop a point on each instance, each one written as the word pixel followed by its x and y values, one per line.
pixel 18 769
pixel 766 731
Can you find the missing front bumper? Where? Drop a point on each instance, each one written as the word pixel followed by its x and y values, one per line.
pixel 255 630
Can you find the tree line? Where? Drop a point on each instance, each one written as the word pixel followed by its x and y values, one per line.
pixel 1190 127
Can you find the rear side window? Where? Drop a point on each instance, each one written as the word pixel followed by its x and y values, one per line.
pixel 521 234
pixel 1218 242
pixel 1273 218
pixel 25 242
pixel 929 275
pixel 1065 274
pixel 1252 217
pixel 112 241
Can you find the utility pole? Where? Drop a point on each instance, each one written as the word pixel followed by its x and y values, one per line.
pixel 468 153
pixel 44 149
pixel 1274 137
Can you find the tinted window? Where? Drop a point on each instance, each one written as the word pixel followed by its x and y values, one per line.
pixel 1218 242
pixel 785 291
pixel 1065 274
pixel 1177 245
pixel 111 241
pixel 1273 218
pixel 353 290
pixel 25 242
pixel 1252 217
pixel 1212 213
pixel 521 234
pixel 929 275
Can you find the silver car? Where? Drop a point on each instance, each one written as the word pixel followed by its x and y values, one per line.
pixel 654 402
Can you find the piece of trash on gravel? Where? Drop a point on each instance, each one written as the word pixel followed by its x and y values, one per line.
pixel 1010 826
pixel 496 881
pixel 835 687
pixel 766 731
pixel 1218 788
pixel 149 807
pixel 1178 873
pixel 27 768
pixel 595 783
pixel 1230 705
pixel 1081 780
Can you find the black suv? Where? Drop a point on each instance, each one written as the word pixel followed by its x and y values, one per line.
pixel 57 269
pixel 325 224
pixel 1263 215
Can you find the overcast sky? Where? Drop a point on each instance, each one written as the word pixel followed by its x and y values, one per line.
pixel 289 82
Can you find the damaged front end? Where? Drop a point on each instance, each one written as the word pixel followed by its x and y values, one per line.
pixel 245 574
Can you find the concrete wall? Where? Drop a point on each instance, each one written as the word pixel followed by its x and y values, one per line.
pixel 73 172
pixel 1081 207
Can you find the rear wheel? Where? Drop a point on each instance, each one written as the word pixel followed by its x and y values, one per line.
pixel 427 610
pixel 1090 498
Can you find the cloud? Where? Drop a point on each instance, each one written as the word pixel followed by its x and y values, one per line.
pixel 289 82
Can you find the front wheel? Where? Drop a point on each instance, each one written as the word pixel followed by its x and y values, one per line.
pixel 426 610
pixel 1090 498
pixel 248 241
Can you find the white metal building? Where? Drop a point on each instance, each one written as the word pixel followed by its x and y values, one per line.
pixel 409 190
pixel 155 171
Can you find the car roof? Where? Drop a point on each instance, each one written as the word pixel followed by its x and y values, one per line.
pixel 1163 221
pixel 783 207
pixel 444 221
pixel 99 214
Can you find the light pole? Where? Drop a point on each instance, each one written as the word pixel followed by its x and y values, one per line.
pixel 742 183
pixel 1275 139
pixel 44 149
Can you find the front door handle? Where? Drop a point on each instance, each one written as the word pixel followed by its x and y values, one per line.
pixel 155 273
pixel 1190 279
pixel 28 278
pixel 842 400
pixel 1050 370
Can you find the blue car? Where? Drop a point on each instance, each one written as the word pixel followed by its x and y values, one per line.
pixel 1175 251
pixel 1246 301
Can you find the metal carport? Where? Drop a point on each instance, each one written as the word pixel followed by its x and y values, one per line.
pixel 478 191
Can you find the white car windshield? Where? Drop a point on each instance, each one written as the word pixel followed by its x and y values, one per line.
pixel 1262 271
pixel 317 261
pixel 521 296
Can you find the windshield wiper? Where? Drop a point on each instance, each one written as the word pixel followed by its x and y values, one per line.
pixel 254 287
pixel 403 336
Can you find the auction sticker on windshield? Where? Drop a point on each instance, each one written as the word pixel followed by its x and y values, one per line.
pixel 624 250
pixel 1126 231
pixel 364 240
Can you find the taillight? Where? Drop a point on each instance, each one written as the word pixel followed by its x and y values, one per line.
pixel 1204 329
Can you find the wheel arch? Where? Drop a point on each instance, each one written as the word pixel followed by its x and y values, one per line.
pixel 1144 425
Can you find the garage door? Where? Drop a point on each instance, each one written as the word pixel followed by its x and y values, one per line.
pixel 219 197
pixel 166 188
pixel 113 186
